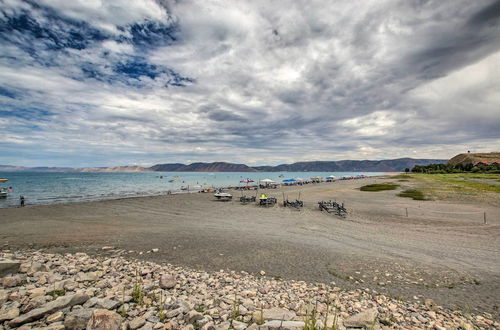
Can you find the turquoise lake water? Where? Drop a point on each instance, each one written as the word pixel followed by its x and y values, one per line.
pixel 62 187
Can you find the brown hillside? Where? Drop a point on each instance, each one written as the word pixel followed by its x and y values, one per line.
pixel 473 159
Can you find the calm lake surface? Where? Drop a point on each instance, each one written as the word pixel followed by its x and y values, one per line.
pixel 63 187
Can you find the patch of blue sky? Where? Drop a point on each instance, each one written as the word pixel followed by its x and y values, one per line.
pixel 8 92
pixel 27 114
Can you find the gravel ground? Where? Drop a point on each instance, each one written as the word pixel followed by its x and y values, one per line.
pixel 442 250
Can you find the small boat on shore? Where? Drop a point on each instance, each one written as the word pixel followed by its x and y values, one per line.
pixel 222 196
pixel 4 191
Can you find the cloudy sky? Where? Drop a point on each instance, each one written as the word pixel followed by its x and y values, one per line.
pixel 97 82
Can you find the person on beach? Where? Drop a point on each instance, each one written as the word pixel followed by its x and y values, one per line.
pixel 21 200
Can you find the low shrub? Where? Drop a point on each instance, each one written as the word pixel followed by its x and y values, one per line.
pixel 379 187
pixel 413 193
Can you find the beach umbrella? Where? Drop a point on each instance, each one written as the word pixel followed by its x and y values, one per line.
pixel 247 181
pixel 289 180
pixel 268 181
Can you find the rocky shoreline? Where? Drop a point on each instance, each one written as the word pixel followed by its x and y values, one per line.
pixel 76 291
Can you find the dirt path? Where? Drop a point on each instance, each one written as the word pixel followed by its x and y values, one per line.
pixel 433 253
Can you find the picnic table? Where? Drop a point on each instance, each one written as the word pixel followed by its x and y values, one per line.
pixel 333 207
pixel 247 199
pixel 267 201
pixel 296 203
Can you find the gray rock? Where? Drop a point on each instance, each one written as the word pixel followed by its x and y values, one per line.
pixel 9 314
pixel 9 267
pixel 78 319
pixel 253 326
pixel 153 319
pixel 136 323
pixel 237 325
pixel 55 317
pixel 91 302
pixel 37 267
pixel 12 281
pixel 210 326
pixel 87 277
pixel 51 307
pixel 192 316
pixel 167 281
pixel 147 326
pixel 223 326
pixel 364 319
pixel 107 303
pixel 33 303
pixel 284 325
pixel 173 313
pixel 3 296
pixel 276 313
pixel 103 319
pixel 53 326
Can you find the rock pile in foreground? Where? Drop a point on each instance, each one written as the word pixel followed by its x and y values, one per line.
pixel 75 291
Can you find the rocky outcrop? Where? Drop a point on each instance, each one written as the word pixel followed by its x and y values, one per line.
pixel 56 290
pixel 51 307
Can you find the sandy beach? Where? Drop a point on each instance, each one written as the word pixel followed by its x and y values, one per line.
pixel 442 250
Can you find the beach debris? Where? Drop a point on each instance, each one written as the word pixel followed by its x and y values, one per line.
pixel 107 248
pixel 155 250
pixel 134 294
pixel 333 207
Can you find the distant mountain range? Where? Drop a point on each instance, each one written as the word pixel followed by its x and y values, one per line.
pixel 387 165
pixel 10 168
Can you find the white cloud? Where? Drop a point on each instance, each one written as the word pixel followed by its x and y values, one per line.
pixel 272 82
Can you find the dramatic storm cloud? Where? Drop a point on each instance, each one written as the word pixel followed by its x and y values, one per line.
pixel 87 83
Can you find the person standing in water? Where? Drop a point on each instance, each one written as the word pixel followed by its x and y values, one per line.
pixel 21 200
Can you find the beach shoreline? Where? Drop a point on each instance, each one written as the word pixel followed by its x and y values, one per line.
pixel 451 259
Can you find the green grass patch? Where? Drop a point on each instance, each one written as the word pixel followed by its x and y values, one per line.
pixel 379 187
pixel 414 194
pixel 460 182
pixel 400 176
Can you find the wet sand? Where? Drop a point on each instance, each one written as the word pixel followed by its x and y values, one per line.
pixel 442 250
